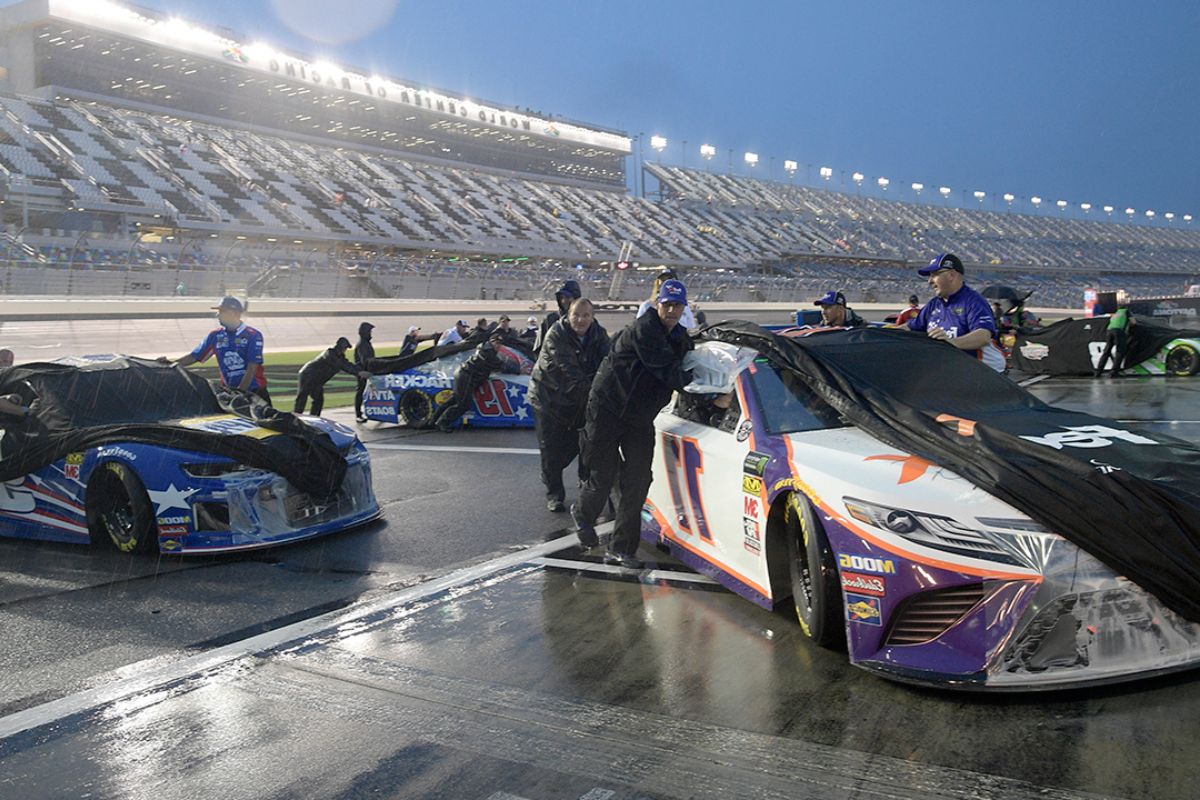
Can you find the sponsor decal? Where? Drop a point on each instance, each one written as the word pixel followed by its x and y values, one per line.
pixel 1035 352
pixel 755 463
pixel 750 506
pixel 169 545
pixel 785 483
pixel 1087 436
pixel 418 380
pixel 229 425
pixel 1104 469
pixel 71 466
pixel 751 535
pixel 912 467
pixel 864 610
pixel 443 397
pixel 174 520
pixel 752 485
pixel 116 452
pixel 864 584
pixel 743 431
pixel 172 530
pixel 74 458
pixel 877 566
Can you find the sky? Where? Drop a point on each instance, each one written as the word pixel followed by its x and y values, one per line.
pixel 1083 101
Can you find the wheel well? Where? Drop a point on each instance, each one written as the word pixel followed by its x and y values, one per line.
pixel 777 548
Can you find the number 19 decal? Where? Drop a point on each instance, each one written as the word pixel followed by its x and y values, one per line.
pixel 685 465
pixel 491 399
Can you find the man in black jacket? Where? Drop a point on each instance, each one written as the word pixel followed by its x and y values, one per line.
pixel 643 368
pixel 471 375
pixel 558 392
pixel 363 352
pixel 316 373
pixel 569 293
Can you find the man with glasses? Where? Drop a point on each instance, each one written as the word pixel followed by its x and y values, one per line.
pixel 958 315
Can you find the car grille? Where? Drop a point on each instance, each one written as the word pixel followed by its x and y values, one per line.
pixel 927 615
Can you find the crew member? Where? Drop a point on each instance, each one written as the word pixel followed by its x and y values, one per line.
pixel 316 373
pixel 567 294
pixel 1116 336
pixel 558 393
pixel 688 321
pixel 455 334
pixel 6 357
pixel 531 330
pixel 238 348
pixel 634 382
pixel 957 315
pixel 471 375
pixel 910 313
pixel 835 313
pixel 364 351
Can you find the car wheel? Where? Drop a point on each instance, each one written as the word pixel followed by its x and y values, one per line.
pixel 815 588
pixel 416 408
pixel 119 510
pixel 1182 361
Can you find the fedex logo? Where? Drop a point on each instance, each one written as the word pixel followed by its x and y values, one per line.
pixel 1088 436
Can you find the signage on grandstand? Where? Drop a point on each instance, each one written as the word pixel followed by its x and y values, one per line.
pixel 179 35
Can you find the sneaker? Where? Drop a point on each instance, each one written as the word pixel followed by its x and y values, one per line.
pixel 555 505
pixel 629 562
pixel 361 420
pixel 586 533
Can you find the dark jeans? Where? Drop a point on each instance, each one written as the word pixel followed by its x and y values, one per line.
pixel 304 391
pixel 559 444
pixel 613 447
pixel 1118 338
pixel 358 398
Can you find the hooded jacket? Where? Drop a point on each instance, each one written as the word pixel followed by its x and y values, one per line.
pixel 566 366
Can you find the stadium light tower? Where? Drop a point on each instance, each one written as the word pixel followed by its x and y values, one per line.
pixel 857 177
pixel 944 191
pixel 883 184
pixel 1149 214
pixel 1130 212
pixel 826 173
pixel 1037 202
pixel 659 143
pixel 917 189
pixel 1008 198
pixel 1108 210
pixel 1087 207
pixel 1187 217
pixel 978 195
pixel 790 167
pixel 1170 215
pixel 707 151
pixel 1062 204
pixel 751 159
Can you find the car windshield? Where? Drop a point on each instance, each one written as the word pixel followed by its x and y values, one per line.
pixel 786 404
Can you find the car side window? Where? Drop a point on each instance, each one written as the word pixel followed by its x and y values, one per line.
pixel 787 404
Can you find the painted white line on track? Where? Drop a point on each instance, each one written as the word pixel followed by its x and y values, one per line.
pixel 432 448
pixel 614 569
pixel 157 674
pixel 1033 380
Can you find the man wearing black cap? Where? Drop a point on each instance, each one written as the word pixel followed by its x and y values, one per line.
pixel 364 351
pixel 634 382
pixel 835 313
pixel 238 348
pixel 567 294
pixel 316 373
pixel 958 315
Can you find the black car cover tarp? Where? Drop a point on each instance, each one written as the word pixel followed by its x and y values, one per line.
pixel 394 364
pixel 139 401
pixel 1064 348
pixel 1129 497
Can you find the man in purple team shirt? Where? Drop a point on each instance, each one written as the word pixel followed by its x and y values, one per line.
pixel 958 314
pixel 238 348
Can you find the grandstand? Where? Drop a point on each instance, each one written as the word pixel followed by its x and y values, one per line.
pixel 135 143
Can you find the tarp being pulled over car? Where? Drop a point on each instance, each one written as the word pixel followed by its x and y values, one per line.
pixel 84 405
pixel 1129 497
pixel 397 364
pixel 1064 348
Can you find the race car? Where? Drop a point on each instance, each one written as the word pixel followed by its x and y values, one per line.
pixel 142 457
pixel 1075 346
pixel 412 390
pixel 923 575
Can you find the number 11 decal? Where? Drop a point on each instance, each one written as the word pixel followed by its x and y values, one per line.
pixel 685 464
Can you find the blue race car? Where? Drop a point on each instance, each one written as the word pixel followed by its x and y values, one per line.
pixel 144 457
pixel 412 390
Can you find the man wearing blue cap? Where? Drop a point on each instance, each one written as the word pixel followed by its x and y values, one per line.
pixel 238 348
pixel 643 367
pixel 835 313
pixel 958 314
pixel 688 320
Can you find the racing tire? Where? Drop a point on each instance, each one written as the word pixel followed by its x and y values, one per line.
pixel 119 512
pixel 416 408
pixel 1182 361
pixel 816 590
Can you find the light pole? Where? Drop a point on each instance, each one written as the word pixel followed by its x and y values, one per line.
pixel 1036 201
pixel 944 191
pixel 658 143
pixel 858 179
pixel 917 189
pixel 1129 212
pixel 683 149
pixel 1008 198
pixel 978 195
pixel 1108 211
pixel 707 151
pixel 1086 207
pixel 826 173
pixel 790 168
pixel 1062 205
pixel 751 159
pixel 883 183
pixel 1187 218
pixel 1170 215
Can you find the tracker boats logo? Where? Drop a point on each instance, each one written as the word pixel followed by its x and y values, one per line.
pixel 418 381
pixel 1087 436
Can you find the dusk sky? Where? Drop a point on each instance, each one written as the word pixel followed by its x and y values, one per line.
pixel 1087 102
